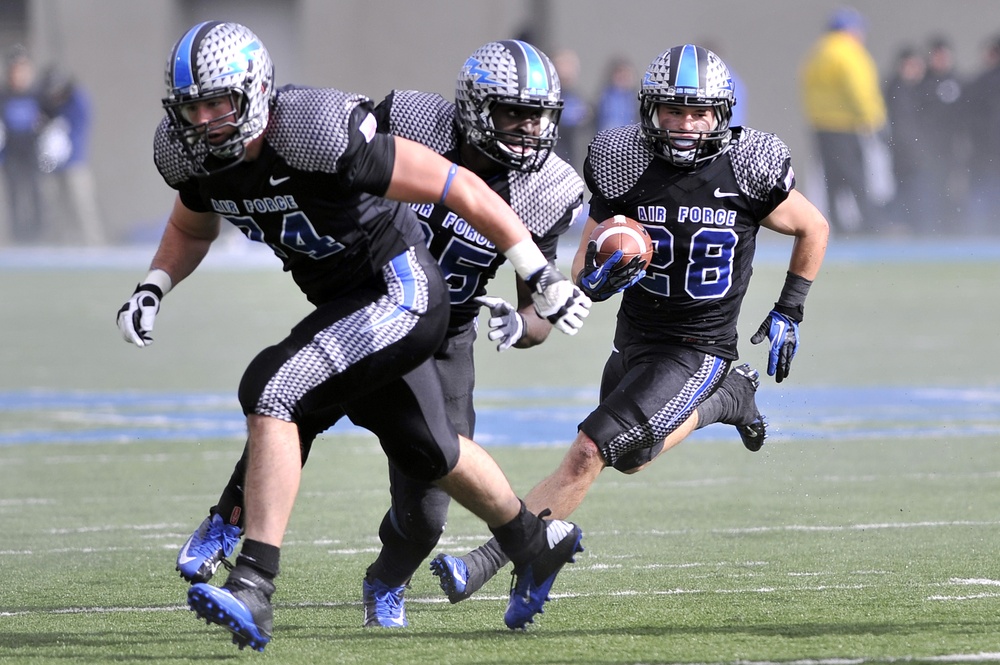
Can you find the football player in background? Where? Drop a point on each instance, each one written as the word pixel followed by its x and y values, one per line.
pixel 703 190
pixel 503 127
pixel 328 204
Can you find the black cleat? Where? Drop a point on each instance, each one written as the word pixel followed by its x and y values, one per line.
pixel 532 581
pixel 742 382
pixel 242 606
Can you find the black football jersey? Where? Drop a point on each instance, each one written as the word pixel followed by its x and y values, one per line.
pixel 313 194
pixel 703 224
pixel 547 201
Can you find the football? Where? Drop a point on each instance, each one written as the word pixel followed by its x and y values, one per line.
pixel 626 234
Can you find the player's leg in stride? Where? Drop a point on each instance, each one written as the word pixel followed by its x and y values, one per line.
pixel 462 576
pixel 735 403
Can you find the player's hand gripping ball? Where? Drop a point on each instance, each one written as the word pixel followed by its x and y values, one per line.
pixel 618 252
pixel 625 234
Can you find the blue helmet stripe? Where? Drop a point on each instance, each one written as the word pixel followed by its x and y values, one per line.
pixel 184 57
pixel 532 74
pixel 688 68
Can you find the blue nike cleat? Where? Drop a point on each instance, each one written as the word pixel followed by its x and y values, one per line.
pixel 384 605
pixel 453 574
pixel 531 583
pixel 207 549
pixel 242 606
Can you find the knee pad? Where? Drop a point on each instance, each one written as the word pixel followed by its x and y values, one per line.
pixel 419 523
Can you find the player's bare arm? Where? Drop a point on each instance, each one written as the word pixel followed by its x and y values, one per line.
pixel 796 216
pixel 462 191
pixel 185 241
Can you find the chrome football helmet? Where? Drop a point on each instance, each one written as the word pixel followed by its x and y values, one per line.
pixel 214 60
pixel 687 75
pixel 509 72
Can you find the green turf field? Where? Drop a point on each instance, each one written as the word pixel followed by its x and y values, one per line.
pixel 866 531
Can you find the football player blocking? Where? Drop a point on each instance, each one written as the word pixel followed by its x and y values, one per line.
pixel 503 128
pixel 669 371
pixel 230 139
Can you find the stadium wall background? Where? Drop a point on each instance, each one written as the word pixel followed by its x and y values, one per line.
pixel 118 48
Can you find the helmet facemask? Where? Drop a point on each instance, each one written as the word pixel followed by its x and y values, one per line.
pixel 216 61
pixel 510 73
pixel 514 149
pixel 687 76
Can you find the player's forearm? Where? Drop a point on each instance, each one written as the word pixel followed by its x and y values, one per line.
pixel 489 214
pixel 536 329
pixel 179 253
pixel 808 251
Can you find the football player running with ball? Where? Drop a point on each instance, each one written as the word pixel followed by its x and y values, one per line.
pixel 328 203
pixel 503 127
pixel 703 190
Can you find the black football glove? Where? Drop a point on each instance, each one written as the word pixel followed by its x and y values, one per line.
pixel 600 282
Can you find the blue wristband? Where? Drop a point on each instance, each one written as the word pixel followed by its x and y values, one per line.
pixel 447 183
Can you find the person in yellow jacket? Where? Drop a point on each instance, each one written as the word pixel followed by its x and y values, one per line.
pixel 843 104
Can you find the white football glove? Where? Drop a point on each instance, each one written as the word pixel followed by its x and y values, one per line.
pixel 558 299
pixel 136 317
pixel 506 325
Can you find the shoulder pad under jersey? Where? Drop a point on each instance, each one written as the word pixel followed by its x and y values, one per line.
pixel 760 163
pixel 617 157
pixel 169 156
pixel 541 199
pixel 425 118
pixel 309 126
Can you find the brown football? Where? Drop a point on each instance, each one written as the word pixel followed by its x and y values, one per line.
pixel 626 234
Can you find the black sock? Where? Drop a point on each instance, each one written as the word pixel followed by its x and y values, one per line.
pixel 710 411
pixel 261 557
pixel 522 538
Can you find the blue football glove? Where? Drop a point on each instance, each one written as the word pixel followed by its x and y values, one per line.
pixel 506 325
pixel 783 333
pixel 600 282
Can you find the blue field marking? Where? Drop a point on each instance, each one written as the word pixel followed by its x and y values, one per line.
pixel 235 253
pixel 529 417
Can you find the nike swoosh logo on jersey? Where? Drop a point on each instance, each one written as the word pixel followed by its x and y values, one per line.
pixel 277 181
pixel 719 194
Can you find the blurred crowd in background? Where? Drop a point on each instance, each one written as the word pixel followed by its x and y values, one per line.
pixel 45 125
pixel 910 151
pixel 913 152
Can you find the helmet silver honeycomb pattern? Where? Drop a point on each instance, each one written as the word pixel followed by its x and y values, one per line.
pixel 212 60
pixel 687 75
pixel 509 72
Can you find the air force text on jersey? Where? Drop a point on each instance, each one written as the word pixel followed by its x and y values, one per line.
pixel 693 215
pixel 265 204
pixel 458 225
